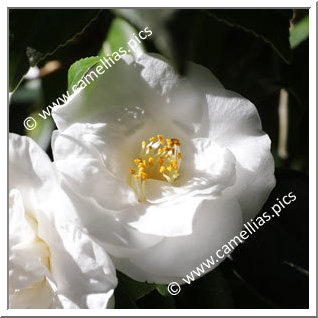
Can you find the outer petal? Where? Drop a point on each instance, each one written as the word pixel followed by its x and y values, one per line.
pixel 105 98
pixel 163 259
pixel 30 171
pixel 38 296
pixel 80 274
pixel 176 257
pixel 234 123
pixel 84 276
pixel 160 91
pixel 26 252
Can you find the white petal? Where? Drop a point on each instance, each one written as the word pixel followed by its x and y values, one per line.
pixel 235 124
pixel 26 252
pixel 38 296
pixel 86 169
pixel 160 91
pixel 174 218
pixel 30 171
pixel 181 99
pixel 112 228
pixel 95 93
pixel 83 273
pixel 80 274
pixel 176 257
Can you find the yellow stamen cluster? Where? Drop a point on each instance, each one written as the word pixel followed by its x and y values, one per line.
pixel 159 159
pixel 141 164
pixel 162 169
pixel 151 161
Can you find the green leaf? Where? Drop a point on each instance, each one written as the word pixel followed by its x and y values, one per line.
pixel 270 25
pixel 133 289
pixel 299 32
pixel 132 294
pixel 162 290
pixel 120 32
pixel 34 34
pixel 79 69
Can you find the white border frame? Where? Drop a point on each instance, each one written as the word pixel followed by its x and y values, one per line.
pixel 312 163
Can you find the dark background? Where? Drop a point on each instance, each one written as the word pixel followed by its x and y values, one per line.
pixel 256 53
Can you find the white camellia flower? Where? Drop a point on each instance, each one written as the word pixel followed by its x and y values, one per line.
pixel 52 264
pixel 163 170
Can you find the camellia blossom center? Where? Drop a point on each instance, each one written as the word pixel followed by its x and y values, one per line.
pixel 159 159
